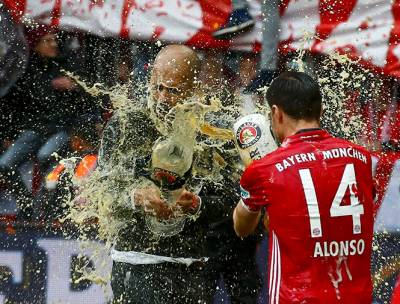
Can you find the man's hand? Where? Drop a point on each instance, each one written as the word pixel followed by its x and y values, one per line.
pixel 187 202
pixel 150 200
pixel 63 83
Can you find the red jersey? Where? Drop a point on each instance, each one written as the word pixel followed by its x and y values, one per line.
pixel 318 193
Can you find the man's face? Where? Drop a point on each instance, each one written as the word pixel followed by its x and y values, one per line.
pixel 170 87
pixel 47 46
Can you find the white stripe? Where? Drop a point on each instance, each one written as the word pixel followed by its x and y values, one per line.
pixel 275 270
pixel 278 252
pixel 273 298
pixel 312 202
pixel 271 271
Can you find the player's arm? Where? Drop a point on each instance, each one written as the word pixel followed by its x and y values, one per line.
pixel 247 213
pixel 245 221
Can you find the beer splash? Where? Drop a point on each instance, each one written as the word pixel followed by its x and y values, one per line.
pixel 104 201
pixel 102 207
pixel 340 79
pixel 106 193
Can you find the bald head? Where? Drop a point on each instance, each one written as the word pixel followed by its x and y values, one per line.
pixel 177 62
pixel 174 74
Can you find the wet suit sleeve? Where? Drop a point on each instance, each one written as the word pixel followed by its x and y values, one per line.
pixel 126 144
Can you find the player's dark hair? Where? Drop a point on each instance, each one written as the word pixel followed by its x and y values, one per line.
pixel 297 94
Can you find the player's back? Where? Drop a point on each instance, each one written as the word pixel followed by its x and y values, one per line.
pixel 320 196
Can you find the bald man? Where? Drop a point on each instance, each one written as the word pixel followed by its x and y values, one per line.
pixel 185 266
pixel 174 75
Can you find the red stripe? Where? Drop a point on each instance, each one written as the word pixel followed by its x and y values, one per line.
pixel 392 62
pixel 214 15
pixel 17 8
pixel 157 32
pixel 283 7
pixel 56 14
pixel 129 5
pixel 382 176
pixel 329 21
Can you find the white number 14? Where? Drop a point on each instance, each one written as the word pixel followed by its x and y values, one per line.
pixel 355 209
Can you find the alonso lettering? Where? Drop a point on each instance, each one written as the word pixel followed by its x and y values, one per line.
pixel 342 248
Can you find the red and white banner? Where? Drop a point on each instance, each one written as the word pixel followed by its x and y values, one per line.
pixel 369 29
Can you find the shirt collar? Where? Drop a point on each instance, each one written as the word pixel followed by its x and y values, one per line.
pixel 314 134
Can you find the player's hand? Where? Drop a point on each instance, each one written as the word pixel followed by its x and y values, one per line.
pixel 188 202
pixel 150 200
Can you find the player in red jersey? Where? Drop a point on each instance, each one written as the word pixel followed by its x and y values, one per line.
pixel 318 193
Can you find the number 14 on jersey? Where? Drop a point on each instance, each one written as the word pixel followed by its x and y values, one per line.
pixel 355 209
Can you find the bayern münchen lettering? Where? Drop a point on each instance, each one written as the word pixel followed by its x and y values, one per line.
pixel 329 154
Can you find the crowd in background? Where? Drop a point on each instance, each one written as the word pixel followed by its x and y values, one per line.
pixel 47 116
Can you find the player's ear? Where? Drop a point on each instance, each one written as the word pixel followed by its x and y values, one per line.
pixel 274 110
pixel 278 114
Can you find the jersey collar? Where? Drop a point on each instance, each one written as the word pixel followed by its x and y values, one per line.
pixel 308 135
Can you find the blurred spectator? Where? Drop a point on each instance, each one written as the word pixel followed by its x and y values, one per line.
pixel 270 42
pixel 43 104
pixel 211 74
pixel 226 74
pixel 247 69
pixel 13 51
pixel 84 143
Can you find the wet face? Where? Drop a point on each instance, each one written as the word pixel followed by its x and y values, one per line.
pixel 172 79
pixel 170 87
pixel 47 46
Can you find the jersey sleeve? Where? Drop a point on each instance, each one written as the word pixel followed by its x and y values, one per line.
pixel 253 189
